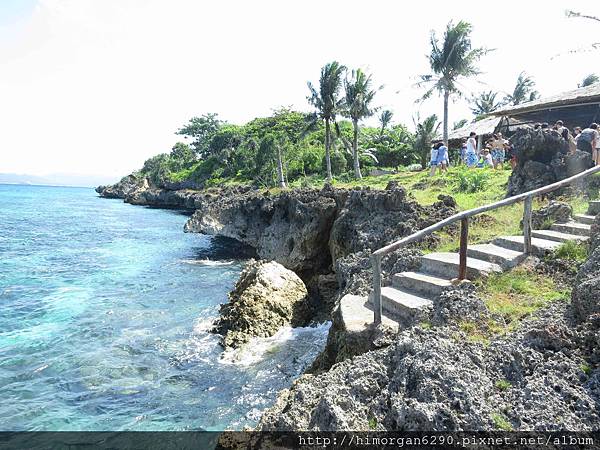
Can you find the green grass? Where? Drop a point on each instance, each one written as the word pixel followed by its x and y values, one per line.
pixel 501 423
pixel 572 251
pixel 372 423
pixel 585 369
pixel 502 385
pixel 518 293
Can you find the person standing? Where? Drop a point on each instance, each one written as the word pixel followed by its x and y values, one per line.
pixel 498 153
pixel 471 158
pixel 433 160
pixel 588 141
pixel 443 157
pixel 463 152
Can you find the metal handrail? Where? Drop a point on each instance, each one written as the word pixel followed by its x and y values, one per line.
pixel 463 216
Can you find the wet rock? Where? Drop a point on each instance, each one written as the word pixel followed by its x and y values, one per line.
pixel 291 228
pixel 266 297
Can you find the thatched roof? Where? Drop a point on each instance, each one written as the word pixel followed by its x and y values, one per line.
pixel 585 95
pixel 483 127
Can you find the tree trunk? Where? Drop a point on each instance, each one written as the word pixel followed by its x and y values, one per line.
pixel 280 168
pixel 357 173
pixel 446 97
pixel 423 159
pixel 328 149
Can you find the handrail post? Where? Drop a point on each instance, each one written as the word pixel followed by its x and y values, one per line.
pixel 464 238
pixel 527 210
pixel 377 309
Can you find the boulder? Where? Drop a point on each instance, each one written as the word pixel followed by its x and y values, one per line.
pixel 266 297
pixel 555 211
pixel 586 293
pixel 542 159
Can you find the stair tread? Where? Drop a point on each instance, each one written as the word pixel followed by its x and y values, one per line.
pixel 538 242
pixel 559 234
pixel 573 224
pixel 357 314
pixel 425 277
pixel 496 250
pixel 453 258
pixel 584 216
pixel 405 298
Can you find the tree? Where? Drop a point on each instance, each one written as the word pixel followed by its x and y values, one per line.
pixel 427 131
pixel 270 153
pixel 524 91
pixel 201 130
pixel 181 156
pixel 357 107
pixel 327 103
pixel 592 78
pixel 451 60
pixel 485 103
pixel 384 120
pixel 459 124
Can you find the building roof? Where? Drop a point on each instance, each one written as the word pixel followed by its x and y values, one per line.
pixel 481 127
pixel 584 95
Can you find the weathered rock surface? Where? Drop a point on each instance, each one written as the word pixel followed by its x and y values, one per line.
pixel 266 297
pixel 554 211
pixel 126 186
pixel 542 159
pixel 297 227
pixel 586 294
pixel 437 380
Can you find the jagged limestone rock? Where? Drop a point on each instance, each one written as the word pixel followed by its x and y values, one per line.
pixel 266 297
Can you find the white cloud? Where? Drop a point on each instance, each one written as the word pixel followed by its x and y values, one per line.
pixel 97 86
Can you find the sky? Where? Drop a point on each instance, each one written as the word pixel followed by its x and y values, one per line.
pixel 95 87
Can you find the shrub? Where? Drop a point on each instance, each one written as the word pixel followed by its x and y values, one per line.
pixel 572 251
pixel 471 180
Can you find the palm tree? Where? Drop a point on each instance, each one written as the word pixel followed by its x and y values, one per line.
pixel 426 133
pixel 357 106
pixel 450 61
pixel 384 119
pixel 524 90
pixel 485 103
pixel 459 124
pixel 592 78
pixel 327 103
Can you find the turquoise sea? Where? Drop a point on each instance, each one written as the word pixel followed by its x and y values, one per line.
pixel 104 311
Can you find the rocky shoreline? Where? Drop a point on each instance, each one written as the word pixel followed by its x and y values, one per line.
pixel 542 376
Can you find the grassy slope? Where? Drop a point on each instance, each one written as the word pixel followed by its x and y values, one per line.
pixel 510 296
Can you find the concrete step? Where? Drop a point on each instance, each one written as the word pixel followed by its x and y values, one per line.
pixel 594 207
pixel 539 246
pixel 581 229
pixel 357 314
pixel 495 254
pixel 422 283
pixel 557 236
pixel 445 264
pixel 584 218
pixel 401 305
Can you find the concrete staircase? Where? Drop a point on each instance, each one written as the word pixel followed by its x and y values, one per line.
pixel 412 292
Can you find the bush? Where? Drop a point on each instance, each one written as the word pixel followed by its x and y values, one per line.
pixel 472 180
pixel 339 164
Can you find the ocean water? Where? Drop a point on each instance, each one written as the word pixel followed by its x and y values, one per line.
pixel 104 311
